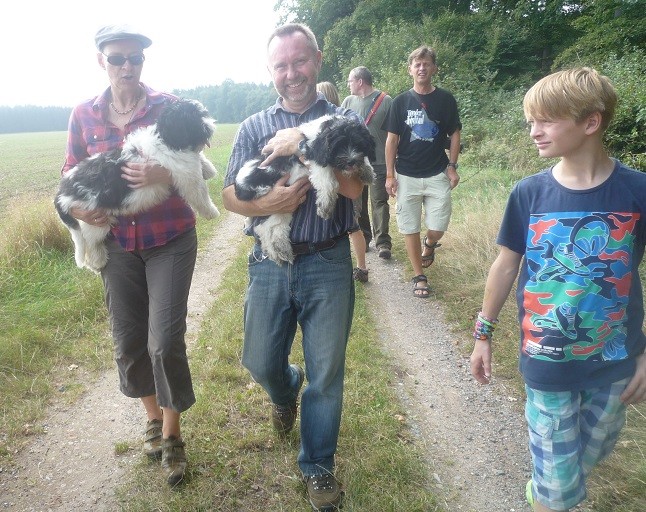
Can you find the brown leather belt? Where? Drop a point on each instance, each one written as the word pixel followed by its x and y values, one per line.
pixel 312 247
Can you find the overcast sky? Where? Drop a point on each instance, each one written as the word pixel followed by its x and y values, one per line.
pixel 49 54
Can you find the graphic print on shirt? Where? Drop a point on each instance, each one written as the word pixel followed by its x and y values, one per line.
pixel 576 296
pixel 422 128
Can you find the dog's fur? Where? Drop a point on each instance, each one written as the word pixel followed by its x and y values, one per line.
pixel 332 142
pixel 175 142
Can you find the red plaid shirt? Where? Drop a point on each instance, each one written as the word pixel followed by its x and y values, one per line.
pixel 89 133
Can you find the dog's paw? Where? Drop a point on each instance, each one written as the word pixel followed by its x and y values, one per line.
pixel 284 255
pixel 279 251
pixel 96 260
pixel 79 259
pixel 208 171
pixel 280 255
pixel 211 213
pixel 96 271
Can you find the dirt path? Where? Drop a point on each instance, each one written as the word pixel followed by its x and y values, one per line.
pixel 475 437
pixel 44 478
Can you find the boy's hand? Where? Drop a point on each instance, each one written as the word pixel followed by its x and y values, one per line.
pixel 635 392
pixel 391 186
pixel 481 361
pixel 454 177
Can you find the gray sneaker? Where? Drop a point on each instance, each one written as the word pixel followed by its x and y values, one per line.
pixel 173 460
pixel 324 492
pixel 384 252
pixel 283 417
pixel 153 439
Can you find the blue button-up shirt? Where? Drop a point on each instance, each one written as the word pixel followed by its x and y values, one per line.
pixel 253 135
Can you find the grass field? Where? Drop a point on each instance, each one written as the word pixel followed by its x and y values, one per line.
pixel 53 319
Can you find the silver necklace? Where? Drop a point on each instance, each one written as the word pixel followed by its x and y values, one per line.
pixel 125 112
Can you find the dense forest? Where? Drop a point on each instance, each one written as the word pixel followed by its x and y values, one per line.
pixel 489 53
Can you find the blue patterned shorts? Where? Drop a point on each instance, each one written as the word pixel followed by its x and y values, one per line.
pixel 569 433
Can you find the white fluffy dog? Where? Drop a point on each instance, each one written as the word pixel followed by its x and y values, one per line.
pixel 175 142
pixel 332 142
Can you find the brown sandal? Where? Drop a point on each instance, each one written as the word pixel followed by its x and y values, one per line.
pixel 428 259
pixel 421 292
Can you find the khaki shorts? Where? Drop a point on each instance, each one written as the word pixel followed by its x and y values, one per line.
pixel 433 193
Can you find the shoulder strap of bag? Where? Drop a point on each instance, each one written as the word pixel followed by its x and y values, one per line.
pixel 419 100
pixel 375 105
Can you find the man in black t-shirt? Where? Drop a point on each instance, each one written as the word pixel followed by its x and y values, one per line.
pixel 418 124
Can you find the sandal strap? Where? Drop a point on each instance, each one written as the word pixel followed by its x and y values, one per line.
pixel 431 246
pixel 153 430
pixel 420 279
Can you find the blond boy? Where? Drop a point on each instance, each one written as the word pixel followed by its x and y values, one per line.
pixel 577 232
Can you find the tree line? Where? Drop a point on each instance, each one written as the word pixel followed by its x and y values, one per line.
pixel 228 102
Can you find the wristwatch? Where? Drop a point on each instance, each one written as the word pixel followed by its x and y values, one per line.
pixel 453 164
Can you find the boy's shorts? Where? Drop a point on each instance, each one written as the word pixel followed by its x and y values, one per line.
pixel 569 433
pixel 433 193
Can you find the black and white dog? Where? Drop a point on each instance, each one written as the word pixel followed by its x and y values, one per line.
pixel 175 142
pixel 331 142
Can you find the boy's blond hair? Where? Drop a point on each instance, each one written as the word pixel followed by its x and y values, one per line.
pixel 571 94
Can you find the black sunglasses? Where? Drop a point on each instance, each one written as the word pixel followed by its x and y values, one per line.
pixel 120 60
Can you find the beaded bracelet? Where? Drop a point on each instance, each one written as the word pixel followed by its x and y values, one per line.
pixel 484 327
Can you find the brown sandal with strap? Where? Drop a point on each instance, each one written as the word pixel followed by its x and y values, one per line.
pixel 421 292
pixel 428 259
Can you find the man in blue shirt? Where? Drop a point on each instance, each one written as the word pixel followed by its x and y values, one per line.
pixel 316 291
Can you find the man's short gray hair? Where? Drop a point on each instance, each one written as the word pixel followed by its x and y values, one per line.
pixel 291 28
pixel 362 73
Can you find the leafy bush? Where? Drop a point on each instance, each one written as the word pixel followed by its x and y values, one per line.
pixel 625 135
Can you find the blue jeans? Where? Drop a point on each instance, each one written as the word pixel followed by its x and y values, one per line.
pixel 317 293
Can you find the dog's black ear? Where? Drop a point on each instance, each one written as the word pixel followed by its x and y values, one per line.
pixel 319 149
pixel 185 125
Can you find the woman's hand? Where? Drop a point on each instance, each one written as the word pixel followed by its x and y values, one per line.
pixel 97 217
pixel 143 174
